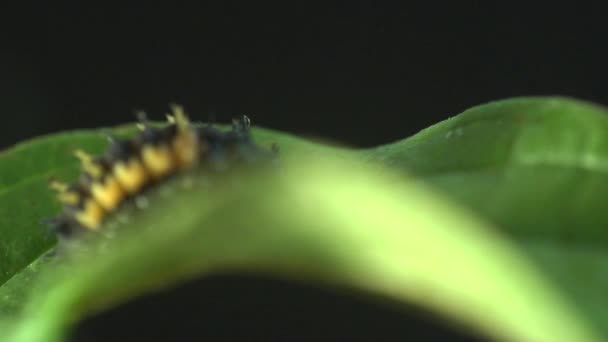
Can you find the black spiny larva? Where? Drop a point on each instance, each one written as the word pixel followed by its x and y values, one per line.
pixel 130 166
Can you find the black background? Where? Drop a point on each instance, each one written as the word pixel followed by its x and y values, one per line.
pixel 360 72
pixel 229 307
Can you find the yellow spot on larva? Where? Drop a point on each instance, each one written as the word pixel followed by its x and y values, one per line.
pixel 185 144
pixel 130 174
pixel 108 193
pixel 88 165
pixel 186 148
pixel 157 159
pixel 90 215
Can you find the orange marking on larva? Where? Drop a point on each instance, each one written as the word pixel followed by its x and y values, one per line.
pixel 186 148
pixel 131 175
pixel 90 215
pixel 108 192
pixel 158 160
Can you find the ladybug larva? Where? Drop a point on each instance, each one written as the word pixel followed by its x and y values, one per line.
pixel 130 166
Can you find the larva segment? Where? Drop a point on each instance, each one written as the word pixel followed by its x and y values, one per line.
pixel 90 215
pixel 158 160
pixel 130 174
pixel 185 144
pixel 185 147
pixel 108 192
pixel 84 210
pixel 103 186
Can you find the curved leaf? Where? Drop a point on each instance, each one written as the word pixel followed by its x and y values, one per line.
pixel 533 166
pixel 538 168
pixel 25 199
pixel 331 222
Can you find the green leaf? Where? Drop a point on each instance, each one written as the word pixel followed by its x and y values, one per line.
pixel 533 167
pixel 324 221
pixel 538 168
pixel 25 199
